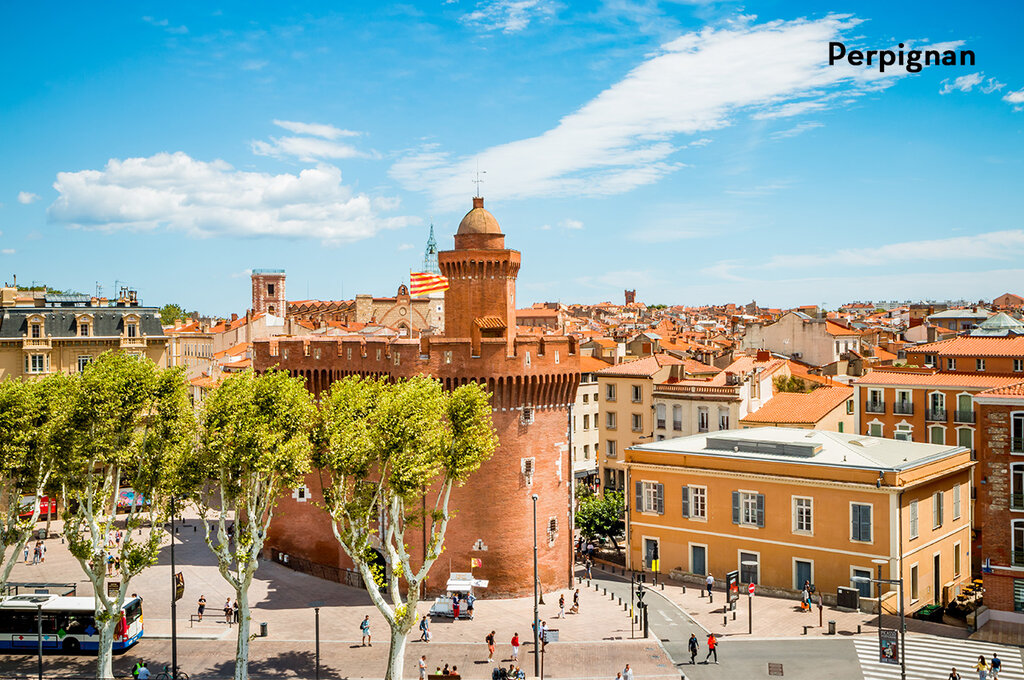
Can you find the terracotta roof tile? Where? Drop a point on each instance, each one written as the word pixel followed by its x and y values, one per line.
pixel 647 366
pixel 800 407
pixel 880 377
pixel 975 347
pixel 1015 391
pixel 590 364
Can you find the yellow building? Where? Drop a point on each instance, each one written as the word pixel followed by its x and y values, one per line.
pixel 803 505
pixel 62 333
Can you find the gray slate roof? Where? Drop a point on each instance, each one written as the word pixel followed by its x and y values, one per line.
pixel 60 321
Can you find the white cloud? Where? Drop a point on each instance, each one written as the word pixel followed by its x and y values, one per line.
pixel 179 193
pixel 7 251
pixel 1015 98
pixel 315 129
pixel 571 224
pixel 797 129
pixel 625 137
pixel 508 16
pixel 992 85
pixel 703 141
pixel 963 83
pixel 26 197
pixel 254 64
pixel 166 25
pixel 765 189
pixel 405 246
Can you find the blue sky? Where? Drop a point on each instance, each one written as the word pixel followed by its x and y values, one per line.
pixel 701 152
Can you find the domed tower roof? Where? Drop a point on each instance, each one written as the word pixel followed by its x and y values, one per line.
pixel 478 220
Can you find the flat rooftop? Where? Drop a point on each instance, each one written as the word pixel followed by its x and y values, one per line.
pixel 810 447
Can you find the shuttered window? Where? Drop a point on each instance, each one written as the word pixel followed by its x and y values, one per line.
pixel 860 522
pixel 650 497
pixel 748 508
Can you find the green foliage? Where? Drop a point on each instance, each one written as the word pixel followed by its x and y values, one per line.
pixel 583 491
pixel 793 383
pixel 600 517
pixel 171 311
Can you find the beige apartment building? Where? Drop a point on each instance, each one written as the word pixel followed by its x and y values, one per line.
pixel 585 412
pixel 50 333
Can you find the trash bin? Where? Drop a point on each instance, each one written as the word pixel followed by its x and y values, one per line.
pixel 831 627
pixel 263 628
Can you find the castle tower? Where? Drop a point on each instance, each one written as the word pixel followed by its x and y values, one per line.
pixel 481 298
pixel 268 292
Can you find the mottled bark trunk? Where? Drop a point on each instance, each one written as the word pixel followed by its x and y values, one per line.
pixel 396 656
pixel 242 647
pixel 105 655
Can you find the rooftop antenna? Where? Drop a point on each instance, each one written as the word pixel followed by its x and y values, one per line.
pixel 478 181
pixel 99 289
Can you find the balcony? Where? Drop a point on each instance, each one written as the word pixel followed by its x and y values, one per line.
pixel 903 408
pixel 874 407
pixel 36 343
pixel 935 414
pixel 1016 444
pixel 963 416
pixel 133 342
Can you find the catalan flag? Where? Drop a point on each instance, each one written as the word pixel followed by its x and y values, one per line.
pixel 422 283
pixel 475 562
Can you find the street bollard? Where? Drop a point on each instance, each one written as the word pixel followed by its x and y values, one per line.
pixel 684 590
pixel 858 629
pixel 725 620
pixel 620 600
pixel 806 627
pixel 663 585
pixel 604 591
pixel 831 627
pixel 702 592
pixel 733 614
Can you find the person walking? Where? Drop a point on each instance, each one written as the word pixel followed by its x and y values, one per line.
pixel 202 607
pixel 364 628
pixel 470 600
pixel 543 634
pixel 713 648
pixel 575 602
pixel 490 647
pixel 26 553
pixel 144 672
pixel 982 668
pixel 561 606
pixel 515 646
pixel 996 665
pixel 805 600
pixel 710 582
pixel 423 667
pixel 136 668
pixel 455 606
pixel 234 611
pixel 227 611
pixel 42 552
pixel 694 646
pixel 627 673
pixel 425 629
pixel 589 564
pixel 953 675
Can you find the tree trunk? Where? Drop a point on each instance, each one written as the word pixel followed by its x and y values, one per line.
pixel 242 648
pixel 396 657
pixel 105 655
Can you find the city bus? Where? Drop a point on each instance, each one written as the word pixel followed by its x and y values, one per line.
pixel 68 623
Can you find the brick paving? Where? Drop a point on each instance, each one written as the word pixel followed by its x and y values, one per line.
pixel 593 644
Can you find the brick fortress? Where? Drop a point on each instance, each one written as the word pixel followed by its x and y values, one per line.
pixel 533 381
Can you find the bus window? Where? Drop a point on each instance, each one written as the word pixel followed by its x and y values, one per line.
pixel 133 611
pixel 79 622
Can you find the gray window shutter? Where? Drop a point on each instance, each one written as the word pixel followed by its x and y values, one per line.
pixel 686 501
pixel 855 517
pixel 760 509
pixel 735 507
pixel 660 494
pixel 865 523
pixel 640 497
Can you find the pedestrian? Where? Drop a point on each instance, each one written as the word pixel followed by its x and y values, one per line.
pixel 423 667
pixel 117 565
pixel 997 665
pixel 446 671
pixel 589 564
pixel 469 605
pixel 42 551
pixel 694 647
pixel 561 606
pixel 627 673
pixel 110 565
pixel 618 676
pixel 136 668
pixel 805 600
pixel 710 581
pixel 144 673
pixel 364 628
pixel 235 611
pixel 26 553
pixel 575 602
pixel 982 668
pixel 227 611
pixel 953 675
pixel 713 648
pixel 490 647
pixel 455 606
pixel 202 607
pixel 515 646
pixel 543 634
pixel 425 629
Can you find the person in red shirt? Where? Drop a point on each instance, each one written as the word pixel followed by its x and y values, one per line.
pixel 712 644
pixel 515 646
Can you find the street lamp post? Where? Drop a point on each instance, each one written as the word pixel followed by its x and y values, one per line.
pixel 750 599
pixel 39 631
pixel 316 609
pixel 536 583
pixel 903 623
pixel 174 603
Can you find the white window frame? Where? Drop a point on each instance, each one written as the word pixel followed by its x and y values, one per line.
pixel 849 522
pixel 748 500
pixel 938 511
pixel 957 558
pixel 636 422
pixel 931 434
pixel 81 364
pixel 962 429
pixel 609 450
pixel 796 584
pixel 796 503
pixel 610 421
pixel 872 587
pixel 914 517
pixel 703 517
pixel 956 502
pixel 723 419
pixel 904 432
pixel 950 364
pixel 677 423
pixel 660 416
pixel 881 428
pixel 1018 365
pixel 637 394
pixel 650 496
pixel 703 415
pixel 979 365
pixel 915 583
pixel 740 567
pixel 609 392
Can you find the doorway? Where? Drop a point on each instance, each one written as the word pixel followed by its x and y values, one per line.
pixel 699 559
pixel 936 579
pixel 803 573
pixel 650 552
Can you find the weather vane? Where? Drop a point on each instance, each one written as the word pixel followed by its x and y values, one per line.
pixel 478 181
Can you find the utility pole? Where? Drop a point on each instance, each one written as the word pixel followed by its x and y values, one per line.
pixel 536 583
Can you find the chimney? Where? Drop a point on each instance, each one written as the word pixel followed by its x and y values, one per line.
pixel 763 355
pixel 234 317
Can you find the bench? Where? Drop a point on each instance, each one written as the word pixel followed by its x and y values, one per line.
pixel 194 618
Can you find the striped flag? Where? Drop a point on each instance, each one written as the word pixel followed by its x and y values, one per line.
pixel 475 562
pixel 422 283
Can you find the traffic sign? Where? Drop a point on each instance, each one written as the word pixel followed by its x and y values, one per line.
pixel 750 589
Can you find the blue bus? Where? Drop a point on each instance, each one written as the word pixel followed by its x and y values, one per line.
pixel 68 623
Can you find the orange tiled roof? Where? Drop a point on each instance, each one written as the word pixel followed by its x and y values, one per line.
pixel 647 366
pixel 489 322
pixel 936 379
pixel 1015 391
pixel 590 364
pixel 695 367
pixel 967 346
pixel 800 407
pixel 835 329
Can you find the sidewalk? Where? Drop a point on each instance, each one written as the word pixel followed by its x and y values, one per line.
pixel 773 617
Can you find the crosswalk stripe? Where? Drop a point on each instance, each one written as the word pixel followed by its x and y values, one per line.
pixel 928 656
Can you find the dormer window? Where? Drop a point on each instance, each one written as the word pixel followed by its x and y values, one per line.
pixel 83 329
pixel 131 329
pixel 37 330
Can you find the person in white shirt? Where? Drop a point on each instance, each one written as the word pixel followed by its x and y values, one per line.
pixel 144 673
pixel 627 673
